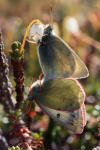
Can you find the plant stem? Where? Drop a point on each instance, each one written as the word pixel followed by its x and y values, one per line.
pixel 17 62
pixel 5 85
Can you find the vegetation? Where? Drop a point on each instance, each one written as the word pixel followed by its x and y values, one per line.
pixel 23 125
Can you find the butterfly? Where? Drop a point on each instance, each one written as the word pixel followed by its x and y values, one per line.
pixel 60 95
pixel 57 59
pixel 70 113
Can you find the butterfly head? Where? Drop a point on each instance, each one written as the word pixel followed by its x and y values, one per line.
pixel 48 29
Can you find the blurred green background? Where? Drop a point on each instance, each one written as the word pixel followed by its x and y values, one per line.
pixel 78 23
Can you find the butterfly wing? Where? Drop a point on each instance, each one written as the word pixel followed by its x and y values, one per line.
pixel 58 60
pixel 73 121
pixel 60 94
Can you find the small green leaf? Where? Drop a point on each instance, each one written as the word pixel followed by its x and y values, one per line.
pixel 16 45
pixel 17 148
pixel 13 148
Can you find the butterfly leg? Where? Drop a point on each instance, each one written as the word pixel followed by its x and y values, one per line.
pixel 40 78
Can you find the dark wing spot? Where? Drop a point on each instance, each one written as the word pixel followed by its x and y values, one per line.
pixel 73 115
pixel 68 53
pixel 58 115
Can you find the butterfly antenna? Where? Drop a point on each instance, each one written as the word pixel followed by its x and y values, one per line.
pixel 51 5
pixel 51 15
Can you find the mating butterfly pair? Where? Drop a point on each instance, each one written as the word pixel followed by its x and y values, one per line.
pixel 61 95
